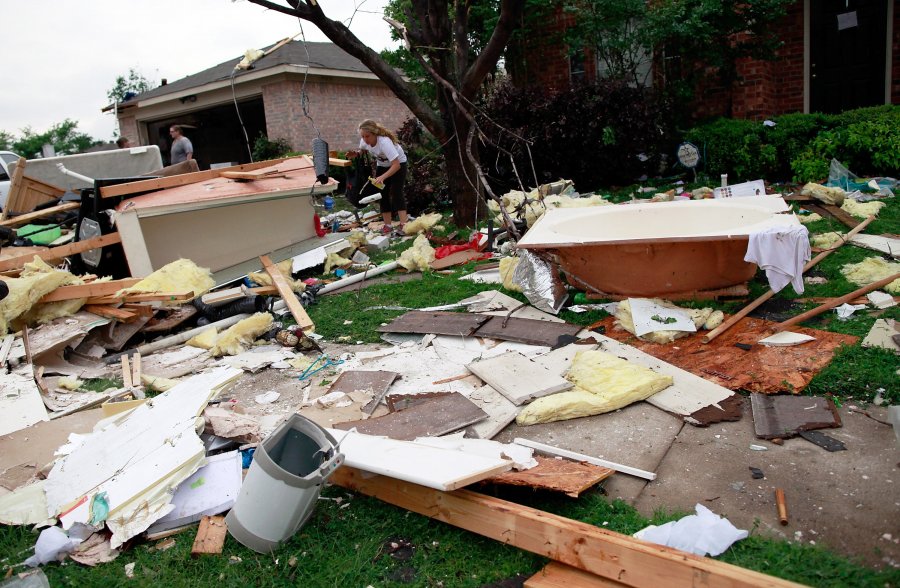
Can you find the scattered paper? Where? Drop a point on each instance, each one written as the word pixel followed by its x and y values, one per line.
pixel 52 545
pixel 649 316
pixel 267 397
pixel 845 311
pixel 786 339
pixel 704 533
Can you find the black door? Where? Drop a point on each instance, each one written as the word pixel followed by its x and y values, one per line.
pixel 847 54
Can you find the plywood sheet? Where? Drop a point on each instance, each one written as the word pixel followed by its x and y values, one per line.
pixel 518 378
pixel 436 417
pixel 457 324
pixel 560 475
pixel 374 382
pixel 432 467
pixel 533 332
pixel 761 369
pixel 781 417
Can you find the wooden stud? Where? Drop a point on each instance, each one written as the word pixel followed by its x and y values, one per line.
pixel 136 369
pixel 24 219
pixel 15 188
pixel 558 575
pixel 210 536
pixel 62 251
pixel 92 290
pixel 119 314
pixel 288 295
pixel 126 373
pixel 596 550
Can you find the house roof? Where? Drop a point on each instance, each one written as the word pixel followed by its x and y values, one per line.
pixel 321 56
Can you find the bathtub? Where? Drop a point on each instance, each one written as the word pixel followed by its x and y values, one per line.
pixel 656 249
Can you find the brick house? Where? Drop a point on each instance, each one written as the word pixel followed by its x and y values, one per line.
pixel 342 92
pixel 837 55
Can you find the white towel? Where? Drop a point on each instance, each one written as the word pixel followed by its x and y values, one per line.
pixel 782 252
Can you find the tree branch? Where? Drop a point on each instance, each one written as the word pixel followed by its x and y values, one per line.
pixel 510 13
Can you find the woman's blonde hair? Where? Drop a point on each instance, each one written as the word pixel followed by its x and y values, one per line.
pixel 377 129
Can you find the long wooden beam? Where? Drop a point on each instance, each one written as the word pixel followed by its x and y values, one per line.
pixel 601 552
pixel 24 219
pixel 61 251
pixel 288 295
pixel 91 290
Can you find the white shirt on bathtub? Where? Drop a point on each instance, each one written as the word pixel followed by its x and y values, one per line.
pixel 782 252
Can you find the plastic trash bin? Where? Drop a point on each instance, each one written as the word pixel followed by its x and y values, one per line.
pixel 283 484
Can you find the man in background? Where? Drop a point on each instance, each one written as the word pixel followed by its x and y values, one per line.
pixel 182 150
pixel 123 143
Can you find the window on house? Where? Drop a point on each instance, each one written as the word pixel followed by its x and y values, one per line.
pixel 576 67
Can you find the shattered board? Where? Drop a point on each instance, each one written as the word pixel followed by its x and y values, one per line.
pixel 440 415
pixel 457 324
pixel 20 402
pixel 375 382
pixel 781 417
pixel 560 475
pixel 530 331
pixel 767 370
pixel 518 378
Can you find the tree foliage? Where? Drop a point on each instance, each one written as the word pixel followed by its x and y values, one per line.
pixel 64 136
pixel 128 86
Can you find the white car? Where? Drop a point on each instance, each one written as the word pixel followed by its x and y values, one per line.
pixel 6 158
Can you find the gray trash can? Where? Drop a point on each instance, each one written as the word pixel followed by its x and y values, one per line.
pixel 283 484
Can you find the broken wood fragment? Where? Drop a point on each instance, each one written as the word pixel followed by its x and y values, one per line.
pixel 210 536
pixel 61 251
pixel 24 219
pixel 559 575
pixel 106 311
pixel 551 450
pixel 91 290
pixel 287 294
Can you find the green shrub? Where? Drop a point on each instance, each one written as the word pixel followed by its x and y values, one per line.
pixel 264 149
pixel 734 147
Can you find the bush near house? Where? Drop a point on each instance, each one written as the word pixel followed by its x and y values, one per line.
pixel 426 176
pixel 801 146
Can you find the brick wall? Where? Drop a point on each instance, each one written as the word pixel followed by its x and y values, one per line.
pixel 542 59
pixel 128 128
pixel 336 106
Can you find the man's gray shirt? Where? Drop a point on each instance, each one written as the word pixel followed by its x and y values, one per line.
pixel 180 149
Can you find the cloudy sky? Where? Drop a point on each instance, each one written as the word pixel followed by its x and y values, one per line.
pixel 60 57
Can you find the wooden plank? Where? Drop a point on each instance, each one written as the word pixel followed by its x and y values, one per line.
pixel 253 175
pixel 111 312
pixel 287 294
pixel 92 290
pixel 457 324
pixel 179 180
pixel 518 378
pixel 210 536
pixel 15 189
pixel 602 552
pixel 62 251
pixel 24 219
pixel 339 162
pixel 530 331
pixel 144 297
pixel 559 575
pixel 438 416
pixel 835 212
pixel 126 373
pixel 458 258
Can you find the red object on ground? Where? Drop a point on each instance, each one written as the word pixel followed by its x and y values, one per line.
pixel 445 250
pixel 318 225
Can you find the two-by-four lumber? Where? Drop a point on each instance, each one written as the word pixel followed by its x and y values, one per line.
pixel 143 297
pixel 287 294
pixel 558 575
pixel 602 552
pixel 210 536
pixel 179 180
pixel 15 188
pixel 61 251
pixel 26 218
pixel 119 314
pixel 92 290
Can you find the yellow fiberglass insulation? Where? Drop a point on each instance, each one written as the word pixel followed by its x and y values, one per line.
pixel 861 209
pixel 177 276
pixel 418 256
pixel 239 337
pixel 603 383
pixel 871 270
pixel 827 194
pixel 703 318
pixel 507 268
pixel 333 260
pixel 422 224
pixel 357 239
pixel 36 280
pixel 285 268
pixel 205 340
pixel 809 218
pixel 42 313
pixel 828 240
pixel 157 383
pixel 69 383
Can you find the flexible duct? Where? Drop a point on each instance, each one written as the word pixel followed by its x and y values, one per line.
pixel 245 305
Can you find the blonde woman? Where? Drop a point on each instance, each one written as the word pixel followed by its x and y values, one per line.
pixel 390 161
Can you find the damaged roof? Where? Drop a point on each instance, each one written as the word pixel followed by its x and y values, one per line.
pixel 320 56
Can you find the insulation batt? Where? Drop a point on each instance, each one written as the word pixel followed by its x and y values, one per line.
pixel 871 270
pixel 538 205
pixel 826 194
pixel 422 224
pixel 809 218
pixel 239 337
pixel 507 269
pixel 335 261
pixel 418 256
pixel 704 318
pixel 861 209
pixel 177 276
pixel 204 340
pixel 69 383
pixel 603 383
pixel 828 240
pixel 21 304
pixel 285 268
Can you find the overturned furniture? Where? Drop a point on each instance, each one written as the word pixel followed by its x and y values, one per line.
pixel 657 249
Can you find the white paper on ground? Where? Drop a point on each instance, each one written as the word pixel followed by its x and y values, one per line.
pixel 51 543
pixel 484 277
pixel 881 299
pixel 786 339
pixel 643 311
pixel 845 311
pixel 702 533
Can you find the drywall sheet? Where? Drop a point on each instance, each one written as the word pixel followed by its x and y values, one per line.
pixel 885 333
pixel 781 417
pixel 433 467
pixel 697 399
pixel 500 410
pixel 55 336
pixel 173 363
pixel 887 245
pixel 438 416
pixel 762 369
pixel 132 463
pixel 533 332
pixel 518 378
pixel 375 382
pixel 496 303
pixel 560 475
pixel 456 324
pixel 20 402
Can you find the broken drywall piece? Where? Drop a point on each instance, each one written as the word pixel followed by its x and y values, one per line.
pixel 135 459
pixel 883 334
pixel 781 417
pixel 20 401
pixel 887 245
pixel 499 409
pixel 518 378
pixel 559 360
pixel 786 339
pixel 881 300
pixel 229 424
pixel 496 303
pixel 438 416
pixel 522 457
pixel 177 362
pixel 433 467
pixel 258 358
pixel 55 336
pixel 649 317
pixel 26 505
